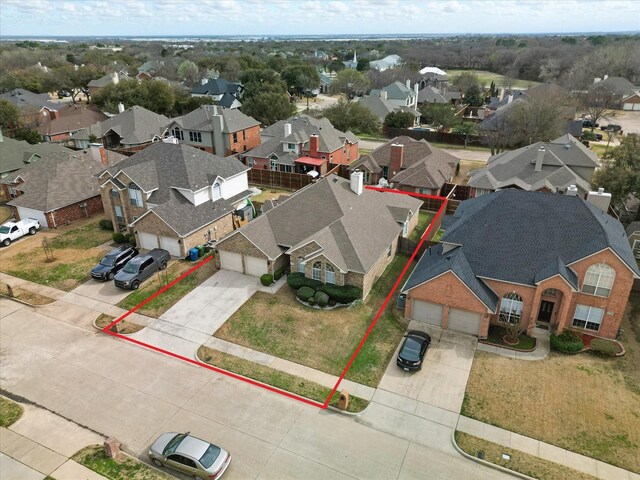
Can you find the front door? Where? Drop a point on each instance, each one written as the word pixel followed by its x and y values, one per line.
pixel 546 309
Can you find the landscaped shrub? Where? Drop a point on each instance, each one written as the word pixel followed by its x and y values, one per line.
pixel 131 239
pixel 321 298
pixel 297 280
pixel 588 135
pixel 342 294
pixel 106 224
pixel 305 293
pixel 567 341
pixel 278 274
pixel 604 347
pixel 266 279
pixel 118 237
pixel 311 301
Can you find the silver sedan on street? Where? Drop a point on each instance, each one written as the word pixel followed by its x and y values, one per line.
pixel 189 455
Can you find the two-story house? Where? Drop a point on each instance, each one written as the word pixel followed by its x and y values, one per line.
pixel 302 144
pixel 225 93
pixel 217 130
pixel 174 196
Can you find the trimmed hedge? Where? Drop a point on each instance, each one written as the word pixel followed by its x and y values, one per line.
pixel 266 279
pixel 342 294
pixel 130 239
pixel 297 280
pixel 311 301
pixel 321 298
pixel 118 237
pixel 106 225
pixel 567 341
pixel 277 275
pixel 305 293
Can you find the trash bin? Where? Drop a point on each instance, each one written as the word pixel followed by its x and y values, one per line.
pixel 193 254
pixel 200 251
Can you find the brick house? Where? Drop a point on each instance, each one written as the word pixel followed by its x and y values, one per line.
pixel 409 165
pixel 301 144
pixel 174 196
pixel 537 259
pixel 217 130
pixel 334 231
pixel 60 187
pixel 57 127
pixel 32 107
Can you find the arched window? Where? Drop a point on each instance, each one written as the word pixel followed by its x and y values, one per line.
pixel 316 271
pixel 135 195
pixel 217 193
pixel 329 274
pixel 599 280
pixel 511 308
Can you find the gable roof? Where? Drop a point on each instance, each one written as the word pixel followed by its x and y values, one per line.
pixel 135 126
pixel 22 98
pixel 109 79
pixel 352 230
pixel 431 95
pixel 72 118
pixel 228 100
pixel 390 61
pixel 151 66
pixel 233 120
pixel 398 91
pixel 633 227
pixel 217 86
pixel 617 85
pixel 17 154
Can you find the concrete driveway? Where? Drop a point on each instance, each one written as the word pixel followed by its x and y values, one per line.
pixel 105 292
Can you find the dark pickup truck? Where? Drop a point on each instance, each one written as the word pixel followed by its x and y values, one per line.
pixel 139 268
pixel 113 262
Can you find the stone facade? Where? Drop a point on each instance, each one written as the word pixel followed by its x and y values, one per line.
pixel 378 268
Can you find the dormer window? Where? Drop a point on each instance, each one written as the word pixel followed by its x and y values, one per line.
pixel 291 146
pixel 177 133
pixel 135 195
pixel 217 192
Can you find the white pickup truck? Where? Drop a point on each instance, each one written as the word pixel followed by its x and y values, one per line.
pixel 11 231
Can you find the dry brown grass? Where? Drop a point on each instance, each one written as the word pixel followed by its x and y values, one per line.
pixel 24 295
pixel 584 403
pixel 520 462
pixel 270 194
pixel 466 167
pixel 124 326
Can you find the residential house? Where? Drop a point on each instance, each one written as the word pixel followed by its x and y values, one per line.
pixel 131 129
pixel 387 63
pixel 433 77
pixel 528 258
pixel 217 130
pixel 335 231
pixel 113 78
pixel 69 119
pixel 31 106
pixel 60 187
pixel 552 166
pixel 225 93
pixel 624 91
pixel 174 196
pixel 151 69
pixel 322 55
pixel 400 94
pixel 431 94
pixel 302 144
pixel 17 154
pixel 380 106
pixel 351 64
pixel 633 233
pixel 409 165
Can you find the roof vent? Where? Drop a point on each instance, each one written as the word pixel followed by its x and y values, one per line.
pixel 448 257
pixel 567 146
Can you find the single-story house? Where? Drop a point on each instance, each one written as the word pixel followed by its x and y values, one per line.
pixel 532 258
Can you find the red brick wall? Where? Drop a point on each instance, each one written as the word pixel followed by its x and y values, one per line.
pixel 251 140
pixel 59 137
pixel 73 212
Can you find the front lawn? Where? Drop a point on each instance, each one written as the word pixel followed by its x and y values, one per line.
pixel 496 336
pixel 126 468
pixel 73 248
pixel 322 339
pixel 10 412
pixel 585 403
pixel 170 297
pixel 424 219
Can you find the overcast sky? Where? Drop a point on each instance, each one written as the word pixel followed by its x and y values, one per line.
pixel 319 17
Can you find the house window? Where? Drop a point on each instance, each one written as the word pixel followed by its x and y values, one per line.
pixel 135 195
pixel 550 292
pixel 405 229
pixel 291 146
pixel 482 191
pixel 511 308
pixel 179 134
pixel 235 137
pixel 389 251
pixel 195 137
pixel 119 216
pixel 216 191
pixel 329 274
pixel 114 193
pixel 13 193
pixel 599 280
pixel 385 172
pixel 244 135
pixel 316 271
pixel 274 165
pixel 300 265
pixel 286 168
pixel 249 161
pixel 587 317
pixel 636 249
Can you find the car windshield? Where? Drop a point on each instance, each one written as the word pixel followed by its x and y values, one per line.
pixel 210 456
pixel 4 229
pixel 173 444
pixel 131 267
pixel 411 350
pixel 108 261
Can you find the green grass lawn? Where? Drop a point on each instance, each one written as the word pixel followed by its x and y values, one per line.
pixel 10 412
pixel 496 336
pixel 424 219
pixel 486 78
pixel 126 468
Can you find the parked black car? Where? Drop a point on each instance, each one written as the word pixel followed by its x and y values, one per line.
pixel 113 262
pixel 587 123
pixel 413 349
pixel 141 267
pixel 611 127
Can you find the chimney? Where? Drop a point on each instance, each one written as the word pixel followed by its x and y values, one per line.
pixel 287 130
pixel 313 146
pixel 203 81
pixel 115 78
pixel 572 191
pixel 415 88
pixel 395 162
pixel 510 98
pixel 605 77
pixel 600 199
pixel 383 94
pixel 357 182
pixel 217 124
pixel 408 84
pixel 53 114
pixel 540 158
pixel 120 107
pixel 98 153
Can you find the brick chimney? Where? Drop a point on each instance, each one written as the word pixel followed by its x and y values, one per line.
pixel 53 114
pixel 98 153
pixel 313 146
pixel 540 158
pixel 395 162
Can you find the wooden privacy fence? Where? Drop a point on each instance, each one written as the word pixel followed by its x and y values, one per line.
pixel 437 137
pixel 268 178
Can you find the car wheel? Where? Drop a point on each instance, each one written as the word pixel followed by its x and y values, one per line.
pixel 163 265
pixel 110 276
pixel 135 285
pixel 32 231
pixel 6 242
pixel 157 463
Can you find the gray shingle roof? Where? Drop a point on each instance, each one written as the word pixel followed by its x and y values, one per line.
pixel 217 86
pixel 378 106
pixel 431 95
pixel 16 154
pixel 72 118
pixel 135 126
pixel 24 98
pixel 632 228
pixel 107 80
pixel 353 230
pixel 398 91
pixel 618 85
pixel 233 120
pixel 558 267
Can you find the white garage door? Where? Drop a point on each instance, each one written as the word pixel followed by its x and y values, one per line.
pixel 148 241
pixel 631 106
pixel 255 266
pixel 231 261
pixel 430 313
pixel 464 321
pixel 37 214
pixel 171 245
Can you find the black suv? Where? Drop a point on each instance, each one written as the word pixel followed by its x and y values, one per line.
pixel 113 262
pixel 413 349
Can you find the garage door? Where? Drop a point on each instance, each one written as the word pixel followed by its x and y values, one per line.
pixel 37 214
pixel 464 321
pixel 171 245
pixel 231 261
pixel 631 106
pixel 148 241
pixel 255 266
pixel 427 312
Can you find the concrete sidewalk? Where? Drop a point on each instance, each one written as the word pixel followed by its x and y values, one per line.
pixel 40 444
pixel 543 450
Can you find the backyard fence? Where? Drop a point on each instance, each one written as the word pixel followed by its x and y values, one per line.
pixel 268 178
pixel 437 137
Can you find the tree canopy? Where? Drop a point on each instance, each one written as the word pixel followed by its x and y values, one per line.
pixel 399 120
pixel 154 95
pixel 350 82
pixel 268 107
pixel 345 115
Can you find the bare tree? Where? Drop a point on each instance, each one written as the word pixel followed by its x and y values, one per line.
pixel 598 102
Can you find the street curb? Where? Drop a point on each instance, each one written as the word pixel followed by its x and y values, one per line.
pixel 25 302
pixel 486 463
